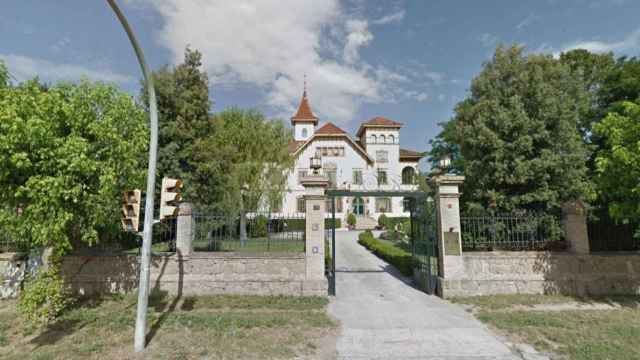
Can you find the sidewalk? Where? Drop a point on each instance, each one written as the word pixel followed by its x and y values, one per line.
pixel 384 317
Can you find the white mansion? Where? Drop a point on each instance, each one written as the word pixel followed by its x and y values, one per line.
pixel 373 160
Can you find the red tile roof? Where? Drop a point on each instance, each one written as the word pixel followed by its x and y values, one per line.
pixel 404 153
pixel 378 121
pixel 304 113
pixel 330 129
pixel 381 121
pixel 294 145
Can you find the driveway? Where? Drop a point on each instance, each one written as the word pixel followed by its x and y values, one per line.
pixel 384 317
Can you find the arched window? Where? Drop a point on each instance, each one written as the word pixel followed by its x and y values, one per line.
pixel 304 133
pixel 408 175
pixel 373 139
pixel 382 139
pixel 392 139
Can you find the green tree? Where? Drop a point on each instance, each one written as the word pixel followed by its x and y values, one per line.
pixel 446 144
pixel 4 75
pixel 183 113
pixel 618 162
pixel 621 84
pixel 518 133
pixel 242 166
pixel 66 155
pixel 593 69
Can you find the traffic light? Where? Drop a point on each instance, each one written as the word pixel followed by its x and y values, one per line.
pixel 169 198
pixel 131 210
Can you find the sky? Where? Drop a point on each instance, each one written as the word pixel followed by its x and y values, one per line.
pixel 410 61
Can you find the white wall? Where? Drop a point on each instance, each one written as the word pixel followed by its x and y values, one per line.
pixel 298 131
pixel 344 174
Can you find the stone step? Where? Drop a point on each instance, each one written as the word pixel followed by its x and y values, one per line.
pixel 365 223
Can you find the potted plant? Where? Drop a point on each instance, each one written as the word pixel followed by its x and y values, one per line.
pixel 351 221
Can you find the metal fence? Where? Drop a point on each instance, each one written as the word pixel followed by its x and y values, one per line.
pixel 607 235
pixel 164 236
pixel 259 232
pixel 7 244
pixel 512 232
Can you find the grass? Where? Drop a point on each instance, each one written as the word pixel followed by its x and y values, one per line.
pixel 251 245
pixel 389 251
pixel 586 333
pixel 217 327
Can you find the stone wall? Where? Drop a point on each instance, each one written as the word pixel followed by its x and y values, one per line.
pixel 12 270
pixel 198 274
pixel 544 273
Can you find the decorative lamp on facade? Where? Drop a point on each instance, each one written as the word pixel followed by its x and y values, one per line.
pixel 445 163
pixel 315 164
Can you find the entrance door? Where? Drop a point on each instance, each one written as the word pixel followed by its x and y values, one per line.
pixel 358 206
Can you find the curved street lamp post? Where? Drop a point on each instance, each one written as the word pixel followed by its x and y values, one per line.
pixel 145 256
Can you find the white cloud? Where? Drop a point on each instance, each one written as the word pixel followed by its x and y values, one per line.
pixel 417 95
pixel 630 43
pixel 530 19
pixel 488 40
pixel 358 36
pixel 271 44
pixel 395 17
pixel 24 68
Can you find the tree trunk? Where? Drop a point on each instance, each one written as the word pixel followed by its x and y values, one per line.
pixel 243 228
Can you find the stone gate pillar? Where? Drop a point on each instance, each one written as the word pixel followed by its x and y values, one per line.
pixel 184 230
pixel 447 199
pixel 574 223
pixel 316 281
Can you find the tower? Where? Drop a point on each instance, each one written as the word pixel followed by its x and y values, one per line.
pixel 304 122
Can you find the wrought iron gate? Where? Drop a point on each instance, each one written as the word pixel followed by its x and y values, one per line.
pixel 424 237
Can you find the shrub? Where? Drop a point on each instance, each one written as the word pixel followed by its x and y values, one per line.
pixel 44 297
pixel 259 227
pixel 395 256
pixel 328 223
pixel 351 219
pixel 383 221
pixel 392 235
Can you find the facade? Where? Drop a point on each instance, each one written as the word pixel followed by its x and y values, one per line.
pixel 372 160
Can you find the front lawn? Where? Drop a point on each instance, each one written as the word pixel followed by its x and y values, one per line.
pixel 575 328
pixel 217 327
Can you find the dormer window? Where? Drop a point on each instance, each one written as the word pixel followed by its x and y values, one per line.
pixel 305 133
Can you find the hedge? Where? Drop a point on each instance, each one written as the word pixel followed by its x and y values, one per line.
pixel 299 224
pixel 395 256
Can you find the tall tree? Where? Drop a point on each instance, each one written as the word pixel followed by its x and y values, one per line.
pixel 618 162
pixel 66 155
pixel 183 112
pixel 4 75
pixel 446 144
pixel 518 133
pixel 593 69
pixel 243 165
pixel 622 83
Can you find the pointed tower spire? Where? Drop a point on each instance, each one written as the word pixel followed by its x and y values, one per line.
pixel 304 113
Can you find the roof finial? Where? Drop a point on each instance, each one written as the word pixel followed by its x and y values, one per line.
pixel 305 84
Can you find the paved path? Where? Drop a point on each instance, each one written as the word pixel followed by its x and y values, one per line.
pixel 383 317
